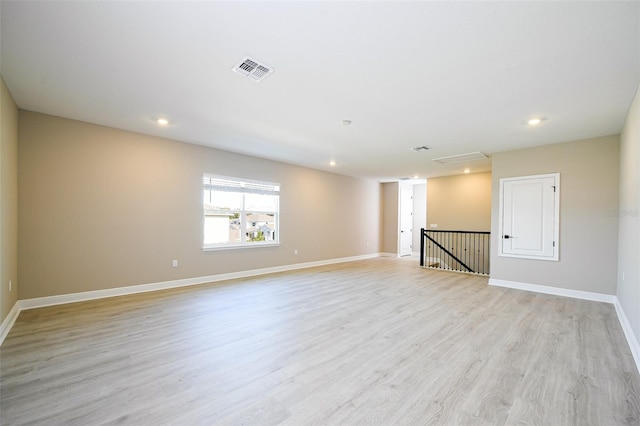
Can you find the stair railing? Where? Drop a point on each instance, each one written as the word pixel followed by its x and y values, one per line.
pixel 464 251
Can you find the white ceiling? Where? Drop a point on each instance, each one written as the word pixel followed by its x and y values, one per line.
pixel 456 76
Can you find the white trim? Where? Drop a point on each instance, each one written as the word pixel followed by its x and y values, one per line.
pixel 41 302
pixel 632 340
pixel 556 291
pixel 240 186
pixel 387 254
pixel 231 179
pixel 634 345
pixel 240 246
pixel 556 218
pixel 404 187
pixel 9 320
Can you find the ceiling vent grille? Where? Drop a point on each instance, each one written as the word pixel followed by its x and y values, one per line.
pixel 471 156
pixel 253 69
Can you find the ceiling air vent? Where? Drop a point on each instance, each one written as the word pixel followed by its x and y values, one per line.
pixel 253 69
pixel 472 156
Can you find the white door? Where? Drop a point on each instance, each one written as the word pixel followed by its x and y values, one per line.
pixel 529 216
pixel 406 221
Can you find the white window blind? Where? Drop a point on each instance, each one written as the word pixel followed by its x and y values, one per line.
pixel 220 183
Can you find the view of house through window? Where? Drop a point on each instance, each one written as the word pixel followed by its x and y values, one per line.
pixel 239 212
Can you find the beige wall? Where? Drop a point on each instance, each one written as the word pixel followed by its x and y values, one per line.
pixel 628 290
pixel 460 203
pixel 390 217
pixel 588 230
pixel 8 200
pixel 102 208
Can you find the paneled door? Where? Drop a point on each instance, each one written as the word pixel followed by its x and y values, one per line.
pixel 529 217
pixel 406 221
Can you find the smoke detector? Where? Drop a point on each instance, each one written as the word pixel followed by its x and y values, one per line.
pixel 253 69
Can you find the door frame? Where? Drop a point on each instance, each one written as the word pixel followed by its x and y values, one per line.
pixel 556 225
pixel 401 189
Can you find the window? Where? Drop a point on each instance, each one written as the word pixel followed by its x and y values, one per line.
pixel 239 212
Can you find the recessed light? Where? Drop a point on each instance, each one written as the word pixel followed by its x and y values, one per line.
pixel 346 122
pixel 162 121
pixel 535 121
pixel 332 163
pixel 467 171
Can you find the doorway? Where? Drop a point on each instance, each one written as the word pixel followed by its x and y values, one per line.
pixel 406 221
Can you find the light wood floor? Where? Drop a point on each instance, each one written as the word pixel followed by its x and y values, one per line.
pixel 380 341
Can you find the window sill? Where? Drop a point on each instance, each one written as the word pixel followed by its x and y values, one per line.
pixel 239 246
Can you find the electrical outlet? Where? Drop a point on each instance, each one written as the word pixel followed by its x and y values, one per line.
pixel 295 251
pixel 434 225
pixel 175 263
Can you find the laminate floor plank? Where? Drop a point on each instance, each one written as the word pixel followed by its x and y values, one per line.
pixel 378 341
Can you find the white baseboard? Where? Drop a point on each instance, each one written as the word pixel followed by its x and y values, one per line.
pixel 634 345
pixel 41 302
pixel 386 254
pixel 632 340
pixel 9 320
pixel 556 291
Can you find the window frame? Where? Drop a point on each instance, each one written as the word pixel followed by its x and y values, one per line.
pixel 242 186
